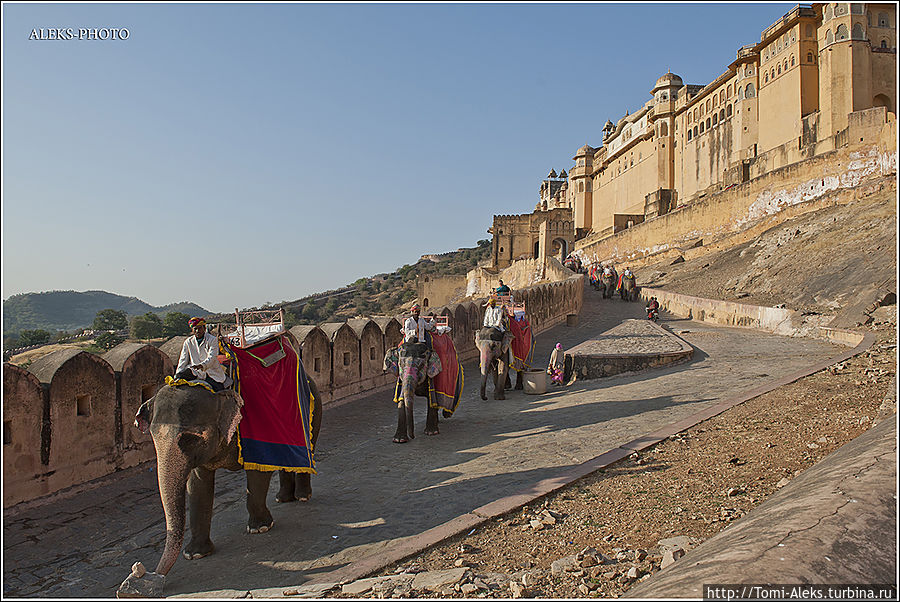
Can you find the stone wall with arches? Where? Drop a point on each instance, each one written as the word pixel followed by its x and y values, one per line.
pixel 68 418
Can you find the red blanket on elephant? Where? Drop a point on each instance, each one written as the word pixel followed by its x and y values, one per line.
pixel 447 385
pixel 276 422
pixel 523 345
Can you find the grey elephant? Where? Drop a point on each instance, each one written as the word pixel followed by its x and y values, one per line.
pixel 194 430
pixel 607 285
pixel 628 290
pixel 493 349
pixel 414 364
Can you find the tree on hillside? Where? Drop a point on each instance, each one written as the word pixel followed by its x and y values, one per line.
pixel 107 340
pixel 34 337
pixel 149 326
pixel 175 323
pixel 310 312
pixel 110 319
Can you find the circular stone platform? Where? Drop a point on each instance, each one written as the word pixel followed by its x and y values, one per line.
pixel 632 346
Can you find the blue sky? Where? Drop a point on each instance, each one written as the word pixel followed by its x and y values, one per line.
pixel 238 154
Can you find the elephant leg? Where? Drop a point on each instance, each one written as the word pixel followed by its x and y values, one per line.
pixel 400 435
pixel 201 488
pixel 285 487
pixel 260 519
pixel 507 384
pixel 303 486
pixel 431 421
pixel 519 384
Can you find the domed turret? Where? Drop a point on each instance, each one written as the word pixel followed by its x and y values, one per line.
pixel 584 150
pixel 669 80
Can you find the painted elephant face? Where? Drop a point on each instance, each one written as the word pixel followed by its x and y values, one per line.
pixel 415 362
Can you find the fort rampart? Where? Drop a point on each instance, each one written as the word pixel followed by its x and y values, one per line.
pixel 68 418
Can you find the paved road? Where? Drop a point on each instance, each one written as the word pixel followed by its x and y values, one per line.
pixel 370 491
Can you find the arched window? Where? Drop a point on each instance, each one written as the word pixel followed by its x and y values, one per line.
pixel 858 33
pixel 810 58
pixel 695 131
pixel 829 37
pixel 841 33
pixel 740 94
pixel 883 20
pixel 690 118
pixel 580 186
pixel 702 128
pixel 792 61
pixel 857 9
pixel 728 110
pixel 690 135
pixel 722 115
pixel 827 11
pixel 715 120
pixel 766 79
pixel 779 69
pixel 708 123
pixel 884 44
pixel 810 32
pixel 750 92
pixel 882 101
pixel 728 91
pixel 664 129
pixel 708 104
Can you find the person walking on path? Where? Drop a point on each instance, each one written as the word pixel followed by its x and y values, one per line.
pixel 557 364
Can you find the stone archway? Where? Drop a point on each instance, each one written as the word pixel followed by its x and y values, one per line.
pixel 883 101
pixel 559 248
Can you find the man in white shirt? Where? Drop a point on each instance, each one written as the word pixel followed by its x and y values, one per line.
pixel 493 315
pixel 414 326
pixel 199 357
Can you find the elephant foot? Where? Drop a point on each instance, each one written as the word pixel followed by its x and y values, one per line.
pixel 260 526
pixel 198 549
pixel 500 397
pixel 282 498
pixel 483 396
pixel 447 414
pixel 432 432
pixel 519 385
pixel 304 497
pixel 401 439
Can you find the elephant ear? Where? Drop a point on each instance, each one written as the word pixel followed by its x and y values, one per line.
pixel 143 416
pixel 230 404
pixel 433 366
pixel 392 361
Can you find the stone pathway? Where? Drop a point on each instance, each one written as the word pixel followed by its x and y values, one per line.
pixel 370 491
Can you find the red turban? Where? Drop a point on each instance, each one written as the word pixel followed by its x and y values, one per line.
pixel 196 322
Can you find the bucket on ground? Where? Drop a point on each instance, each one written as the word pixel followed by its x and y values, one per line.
pixel 534 382
pixel 572 320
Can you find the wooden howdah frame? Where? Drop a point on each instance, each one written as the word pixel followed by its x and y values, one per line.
pixel 236 333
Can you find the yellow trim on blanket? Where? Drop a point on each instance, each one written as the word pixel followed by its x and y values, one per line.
pixel 170 381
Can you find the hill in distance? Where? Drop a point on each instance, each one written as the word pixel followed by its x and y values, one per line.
pixel 73 310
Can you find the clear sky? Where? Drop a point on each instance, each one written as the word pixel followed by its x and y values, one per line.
pixel 237 154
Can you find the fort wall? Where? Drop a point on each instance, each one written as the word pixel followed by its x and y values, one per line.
pixel 68 418
pixel 794 187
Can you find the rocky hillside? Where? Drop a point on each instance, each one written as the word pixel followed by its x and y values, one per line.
pixel 837 261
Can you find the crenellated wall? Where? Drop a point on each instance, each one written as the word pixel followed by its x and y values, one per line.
pixel 69 417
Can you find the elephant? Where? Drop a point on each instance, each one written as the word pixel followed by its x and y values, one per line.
pixel 628 290
pixel 607 285
pixel 494 349
pixel 414 364
pixel 193 430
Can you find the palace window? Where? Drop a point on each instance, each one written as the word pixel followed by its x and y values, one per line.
pixel 884 44
pixel 750 92
pixel 858 33
pixel 841 33
pixel 722 115
pixel 715 120
pixel 766 79
pixel 883 20
pixel 728 91
pixel 792 60
pixel 810 58
pixel 829 37
pixel 690 135
pixel 840 9
pixel 779 70
pixel 708 104
pixel 810 32
pixel 664 129
pixel 827 12
pixel 728 110
pixel 857 9
pixel 702 129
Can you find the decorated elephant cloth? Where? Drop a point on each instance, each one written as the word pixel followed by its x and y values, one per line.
pixel 522 346
pixel 432 366
pixel 448 383
pixel 276 423
pixel 173 382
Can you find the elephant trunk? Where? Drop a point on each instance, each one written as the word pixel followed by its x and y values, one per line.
pixel 408 391
pixel 172 473
pixel 486 360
